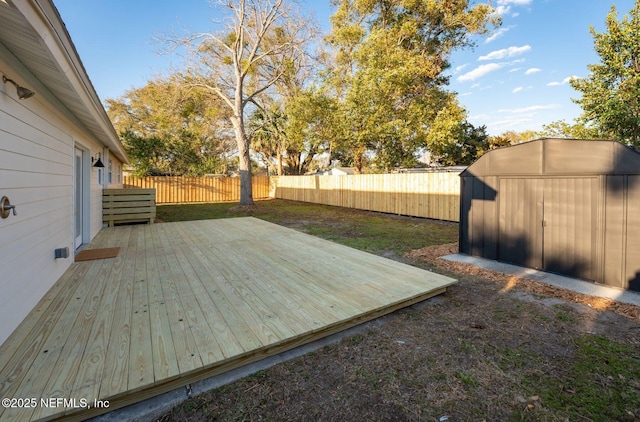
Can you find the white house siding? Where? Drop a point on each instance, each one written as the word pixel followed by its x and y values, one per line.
pixel 37 157
pixel 116 176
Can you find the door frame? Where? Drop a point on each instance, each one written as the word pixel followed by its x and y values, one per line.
pixel 81 197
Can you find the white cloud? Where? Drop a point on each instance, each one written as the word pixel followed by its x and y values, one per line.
pixel 459 68
pixel 532 70
pixel 479 116
pixel 509 122
pixel 530 109
pixel 503 10
pixel 515 69
pixel 564 81
pixel 518 2
pixel 517 89
pixel 504 6
pixel 500 32
pixel 479 72
pixel 506 52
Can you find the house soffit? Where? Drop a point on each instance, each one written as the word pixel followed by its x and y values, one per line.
pixel 25 43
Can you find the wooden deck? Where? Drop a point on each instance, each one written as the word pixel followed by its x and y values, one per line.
pixel 186 301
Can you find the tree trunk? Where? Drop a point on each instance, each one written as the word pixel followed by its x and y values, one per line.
pixel 246 187
pixel 358 161
pixel 279 163
pixel 246 183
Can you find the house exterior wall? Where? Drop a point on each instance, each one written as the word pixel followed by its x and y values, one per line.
pixel 37 153
pixel 113 172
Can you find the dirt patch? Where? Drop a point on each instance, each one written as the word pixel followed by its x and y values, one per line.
pixel 432 254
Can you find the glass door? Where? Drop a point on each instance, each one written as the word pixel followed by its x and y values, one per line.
pixel 78 182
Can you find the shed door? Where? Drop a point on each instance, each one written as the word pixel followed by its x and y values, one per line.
pixel 520 222
pixel 569 226
pixel 549 224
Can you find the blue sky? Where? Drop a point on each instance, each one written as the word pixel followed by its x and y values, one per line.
pixel 514 80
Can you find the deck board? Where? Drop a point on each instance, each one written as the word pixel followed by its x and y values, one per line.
pixel 185 301
pixel 117 358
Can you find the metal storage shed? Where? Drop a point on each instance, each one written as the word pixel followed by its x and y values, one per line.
pixel 566 206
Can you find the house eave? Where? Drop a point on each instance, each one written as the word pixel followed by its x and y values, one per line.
pixel 34 33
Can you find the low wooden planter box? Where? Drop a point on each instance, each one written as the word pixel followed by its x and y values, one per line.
pixel 128 206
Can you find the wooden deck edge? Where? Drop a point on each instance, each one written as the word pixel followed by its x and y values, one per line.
pixel 118 402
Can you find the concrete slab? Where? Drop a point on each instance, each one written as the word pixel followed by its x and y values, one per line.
pixel 574 284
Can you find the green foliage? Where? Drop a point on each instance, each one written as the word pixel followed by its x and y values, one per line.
pixel 145 153
pixel 498 142
pixel 268 138
pixel 290 133
pixel 310 128
pixel 472 143
pixel 577 130
pixel 168 129
pixel 611 93
pixel 511 137
pixel 446 132
pixel 388 75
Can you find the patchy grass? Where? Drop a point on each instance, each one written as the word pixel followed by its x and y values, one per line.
pixel 193 212
pixel 481 351
pixel 602 381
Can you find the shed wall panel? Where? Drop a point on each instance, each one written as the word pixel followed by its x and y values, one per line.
pixel 569 157
pixel 614 230
pixel 520 221
pixel 526 159
pixel 569 229
pixel 633 235
pixel 465 228
pixel 477 218
pixel 490 211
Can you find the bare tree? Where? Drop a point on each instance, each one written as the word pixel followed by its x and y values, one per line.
pixel 260 42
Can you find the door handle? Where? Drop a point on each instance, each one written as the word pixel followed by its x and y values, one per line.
pixel 5 207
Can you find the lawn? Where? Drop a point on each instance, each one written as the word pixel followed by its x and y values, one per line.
pixel 488 349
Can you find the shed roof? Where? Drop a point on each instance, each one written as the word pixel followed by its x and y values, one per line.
pixel 557 157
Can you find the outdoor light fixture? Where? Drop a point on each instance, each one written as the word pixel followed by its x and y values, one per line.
pixel 97 163
pixel 23 93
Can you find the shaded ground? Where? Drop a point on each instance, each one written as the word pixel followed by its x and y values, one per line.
pixel 493 347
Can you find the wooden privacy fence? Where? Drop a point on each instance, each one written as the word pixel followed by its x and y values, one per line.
pixel 430 195
pixel 178 189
